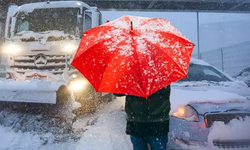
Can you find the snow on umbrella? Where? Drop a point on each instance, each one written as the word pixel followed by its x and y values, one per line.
pixel 133 55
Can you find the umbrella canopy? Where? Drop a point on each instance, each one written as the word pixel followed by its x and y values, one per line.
pixel 133 55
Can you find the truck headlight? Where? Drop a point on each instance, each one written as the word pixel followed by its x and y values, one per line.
pixel 78 84
pixel 187 113
pixel 70 47
pixel 73 75
pixel 11 49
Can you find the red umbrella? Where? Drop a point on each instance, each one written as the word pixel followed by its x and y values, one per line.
pixel 133 55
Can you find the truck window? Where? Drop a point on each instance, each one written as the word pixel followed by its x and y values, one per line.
pixel 87 21
pixel 23 24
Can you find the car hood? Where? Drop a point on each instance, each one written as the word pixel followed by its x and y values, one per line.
pixel 226 107
pixel 210 97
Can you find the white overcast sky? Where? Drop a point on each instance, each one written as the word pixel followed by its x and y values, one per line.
pixel 186 22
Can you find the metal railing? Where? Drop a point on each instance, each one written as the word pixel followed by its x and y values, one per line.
pixel 231 59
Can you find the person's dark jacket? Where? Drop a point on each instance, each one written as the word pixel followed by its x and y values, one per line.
pixel 153 109
pixel 148 116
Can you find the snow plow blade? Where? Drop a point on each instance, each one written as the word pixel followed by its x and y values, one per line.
pixel 30 92
pixel 52 99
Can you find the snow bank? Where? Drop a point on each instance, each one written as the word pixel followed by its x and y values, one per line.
pixel 183 97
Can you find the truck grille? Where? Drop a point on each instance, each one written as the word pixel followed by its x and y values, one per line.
pixel 232 143
pixel 55 64
pixel 224 117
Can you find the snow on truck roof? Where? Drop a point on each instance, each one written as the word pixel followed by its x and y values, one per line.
pixel 54 4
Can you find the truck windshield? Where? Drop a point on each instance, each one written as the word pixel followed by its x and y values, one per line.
pixel 40 20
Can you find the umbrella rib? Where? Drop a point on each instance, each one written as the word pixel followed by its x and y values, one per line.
pixel 167 56
pixel 106 68
pixel 110 59
pixel 141 84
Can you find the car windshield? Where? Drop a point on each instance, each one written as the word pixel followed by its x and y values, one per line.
pixel 40 20
pixel 204 73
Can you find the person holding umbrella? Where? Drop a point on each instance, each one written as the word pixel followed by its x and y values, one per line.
pixel 138 57
pixel 148 119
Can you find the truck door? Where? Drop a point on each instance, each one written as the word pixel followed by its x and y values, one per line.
pixel 91 19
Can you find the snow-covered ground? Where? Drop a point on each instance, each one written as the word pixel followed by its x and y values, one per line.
pixel 104 130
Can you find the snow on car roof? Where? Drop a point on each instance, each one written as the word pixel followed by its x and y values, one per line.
pixel 57 4
pixel 199 62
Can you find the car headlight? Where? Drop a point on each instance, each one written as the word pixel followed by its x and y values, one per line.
pixel 70 47
pixel 11 49
pixel 187 113
pixel 78 84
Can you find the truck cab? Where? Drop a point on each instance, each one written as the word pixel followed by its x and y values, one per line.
pixel 41 40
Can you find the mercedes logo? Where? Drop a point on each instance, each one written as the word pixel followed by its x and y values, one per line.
pixel 40 60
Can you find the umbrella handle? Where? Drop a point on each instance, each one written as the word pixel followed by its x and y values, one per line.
pixel 131 27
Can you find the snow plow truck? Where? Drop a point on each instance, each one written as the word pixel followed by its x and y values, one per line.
pixel 40 42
